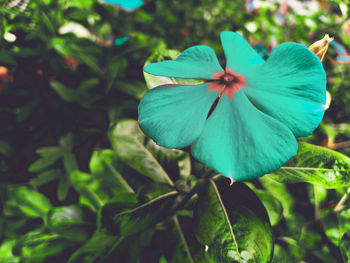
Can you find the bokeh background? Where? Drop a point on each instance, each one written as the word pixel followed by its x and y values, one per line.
pixel 71 77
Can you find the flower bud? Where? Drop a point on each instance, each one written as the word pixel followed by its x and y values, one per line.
pixel 320 47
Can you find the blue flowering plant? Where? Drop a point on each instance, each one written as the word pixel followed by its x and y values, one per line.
pixel 242 121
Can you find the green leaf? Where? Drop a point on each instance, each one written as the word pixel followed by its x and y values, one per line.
pixel 31 202
pixel 232 223
pixel 280 255
pixel 114 64
pixel 49 155
pixel 316 165
pixel 93 249
pixel 69 222
pixel 345 247
pixel 134 88
pixel 66 143
pixel 45 177
pixel 5 148
pixel 143 217
pixel 87 188
pixel 162 54
pixel 40 244
pixel 103 165
pixel 70 163
pixel 63 187
pixel 127 141
pixel 280 192
pixel 6 252
pixel 59 45
pixel 272 205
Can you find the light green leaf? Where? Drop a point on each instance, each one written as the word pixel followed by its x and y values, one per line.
pixel 103 165
pixel 127 141
pixel 6 254
pixel 232 223
pixel 31 202
pixel 87 189
pixel 40 244
pixel 316 165
pixel 69 222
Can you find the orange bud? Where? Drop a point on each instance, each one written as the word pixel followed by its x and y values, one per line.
pixel 231 183
pixel 320 47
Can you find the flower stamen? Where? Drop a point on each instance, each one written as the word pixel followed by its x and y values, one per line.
pixel 227 82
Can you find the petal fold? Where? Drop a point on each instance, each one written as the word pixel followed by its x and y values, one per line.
pixel 241 142
pixel 197 62
pixel 174 116
pixel 240 56
pixel 291 87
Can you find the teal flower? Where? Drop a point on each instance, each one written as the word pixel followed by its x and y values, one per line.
pixel 262 107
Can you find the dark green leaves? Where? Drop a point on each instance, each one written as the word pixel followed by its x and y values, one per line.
pixel 146 215
pixel 232 223
pixel 316 165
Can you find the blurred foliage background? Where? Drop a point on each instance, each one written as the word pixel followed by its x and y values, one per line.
pixel 81 183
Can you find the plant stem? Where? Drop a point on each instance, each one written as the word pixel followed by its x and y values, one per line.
pixel 316 203
pixel 115 245
pixel 342 201
pixel 182 236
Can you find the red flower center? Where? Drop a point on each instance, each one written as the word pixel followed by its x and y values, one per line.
pixel 227 82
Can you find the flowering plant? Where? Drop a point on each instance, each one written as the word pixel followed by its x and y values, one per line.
pixel 260 107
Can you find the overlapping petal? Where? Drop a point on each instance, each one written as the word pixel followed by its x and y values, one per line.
pixel 198 62
pixel 240 56
pixel 291 87
pixel 174 116
pixel 241 142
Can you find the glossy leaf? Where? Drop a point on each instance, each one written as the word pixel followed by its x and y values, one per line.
pixel 272 205
pixel 142 217
pixel 6 253
pixel 31 202
pixel 228 219
pixel 127 141
pixel 39 244
pixel 316 165
pixel 69 222
pixel 93 249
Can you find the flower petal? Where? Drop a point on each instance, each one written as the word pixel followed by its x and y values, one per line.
pixel 240 56
pixel 291 87
pixel 198 62
pixel 174 116
pixel 241 142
